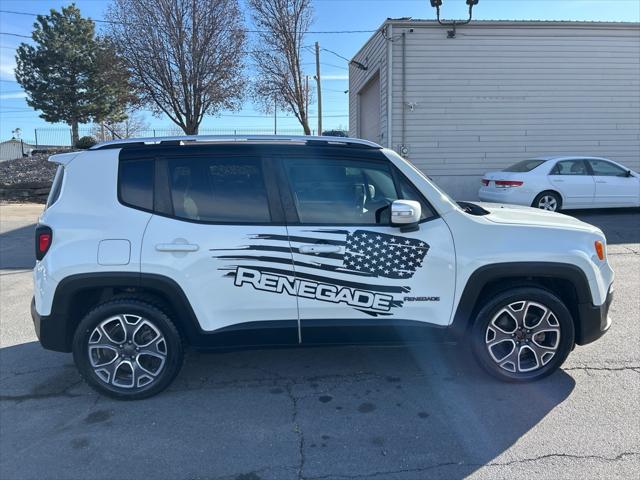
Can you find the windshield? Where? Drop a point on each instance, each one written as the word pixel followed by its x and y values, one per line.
pixel 524 166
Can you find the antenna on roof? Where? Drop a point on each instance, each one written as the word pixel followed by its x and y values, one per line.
pixel 452 33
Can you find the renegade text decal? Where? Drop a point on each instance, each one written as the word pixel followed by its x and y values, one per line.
pixel 346 274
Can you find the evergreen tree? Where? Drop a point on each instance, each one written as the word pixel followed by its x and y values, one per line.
pixel 69 74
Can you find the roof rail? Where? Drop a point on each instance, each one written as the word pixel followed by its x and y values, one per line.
pixel 186 139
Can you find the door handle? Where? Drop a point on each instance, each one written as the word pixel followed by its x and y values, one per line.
pixel 177 247
pixel 557 180
pixel 601 181
pixel 319 248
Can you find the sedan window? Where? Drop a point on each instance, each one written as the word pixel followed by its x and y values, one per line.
pixel 602 168
pixel 570 167
pixel 524 166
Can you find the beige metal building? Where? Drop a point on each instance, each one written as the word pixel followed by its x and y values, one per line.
pixel 497 93
pixel 14 148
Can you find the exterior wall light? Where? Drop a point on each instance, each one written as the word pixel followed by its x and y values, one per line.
pixel 452 33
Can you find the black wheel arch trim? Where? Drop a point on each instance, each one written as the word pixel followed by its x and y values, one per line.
pixel 589 319
pixel 55 331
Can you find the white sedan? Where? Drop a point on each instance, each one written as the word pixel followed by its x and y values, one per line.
pixel 554 183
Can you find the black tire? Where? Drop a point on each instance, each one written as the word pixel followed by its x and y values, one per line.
pixel 151 321
pixel 540 200
pixel 490 342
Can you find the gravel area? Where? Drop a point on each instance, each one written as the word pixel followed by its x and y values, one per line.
pixel 35 169
pixel 26 179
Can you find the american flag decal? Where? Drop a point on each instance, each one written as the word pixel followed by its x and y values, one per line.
pixel 351 274
pixel 383 255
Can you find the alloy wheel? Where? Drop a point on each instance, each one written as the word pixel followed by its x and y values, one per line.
pixel 523 337
pixel 127 351
pixel 548 202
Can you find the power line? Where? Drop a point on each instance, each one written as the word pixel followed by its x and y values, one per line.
pixel 15 115
pixel 319 32
pixel 337 54
pixel 326 65
pixel 15 34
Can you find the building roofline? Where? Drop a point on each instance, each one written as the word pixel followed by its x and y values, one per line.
pixel 431 23
pixel 508 23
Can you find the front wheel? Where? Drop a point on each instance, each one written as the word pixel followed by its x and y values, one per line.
pixel 523 334
pixel 127 349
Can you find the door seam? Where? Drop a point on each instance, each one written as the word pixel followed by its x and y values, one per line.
pixel 295 276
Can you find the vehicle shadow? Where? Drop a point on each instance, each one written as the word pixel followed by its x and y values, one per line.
pixel 334 412
pixel 14 251
pixel 620 225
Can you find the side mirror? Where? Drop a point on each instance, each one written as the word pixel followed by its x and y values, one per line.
pixel 629 174
pixel 406 214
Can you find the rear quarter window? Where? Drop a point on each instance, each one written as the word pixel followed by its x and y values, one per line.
pixel 56 187
pixel 135 183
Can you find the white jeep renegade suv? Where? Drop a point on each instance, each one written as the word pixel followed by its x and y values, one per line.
pixel 147 245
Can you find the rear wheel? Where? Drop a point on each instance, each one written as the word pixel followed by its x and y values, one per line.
pixel 127 349
pixel 549 201
pixel 523 334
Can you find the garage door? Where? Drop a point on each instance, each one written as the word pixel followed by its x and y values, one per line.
pixel 369 114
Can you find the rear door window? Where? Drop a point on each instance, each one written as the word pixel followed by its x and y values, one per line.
pixel 218 190
pixel 570 167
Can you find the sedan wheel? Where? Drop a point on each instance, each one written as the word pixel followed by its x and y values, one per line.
pixel 549 201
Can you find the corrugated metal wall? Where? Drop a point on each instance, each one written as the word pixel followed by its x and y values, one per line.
pixel 503 92
pixel 374 56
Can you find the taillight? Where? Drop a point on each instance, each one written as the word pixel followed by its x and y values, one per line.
pixel 44 237
pixel 508 183
pixel 485 182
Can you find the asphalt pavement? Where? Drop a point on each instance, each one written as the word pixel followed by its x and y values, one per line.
pixel 402 413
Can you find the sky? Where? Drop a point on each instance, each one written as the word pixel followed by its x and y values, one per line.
pixel 329 16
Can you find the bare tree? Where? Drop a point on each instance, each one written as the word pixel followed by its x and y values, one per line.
pixel 184 56
pixel 282 25
pixel 134 125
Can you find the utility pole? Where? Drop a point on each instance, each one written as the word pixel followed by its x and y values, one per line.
pixel 319 88
pixel 275 115
pixel 306 103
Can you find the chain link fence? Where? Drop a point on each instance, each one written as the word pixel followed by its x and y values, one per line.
pixel 61 137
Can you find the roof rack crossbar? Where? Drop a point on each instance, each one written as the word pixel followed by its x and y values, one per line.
pixel 234 138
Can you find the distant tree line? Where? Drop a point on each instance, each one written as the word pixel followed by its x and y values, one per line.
pixel 181 58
